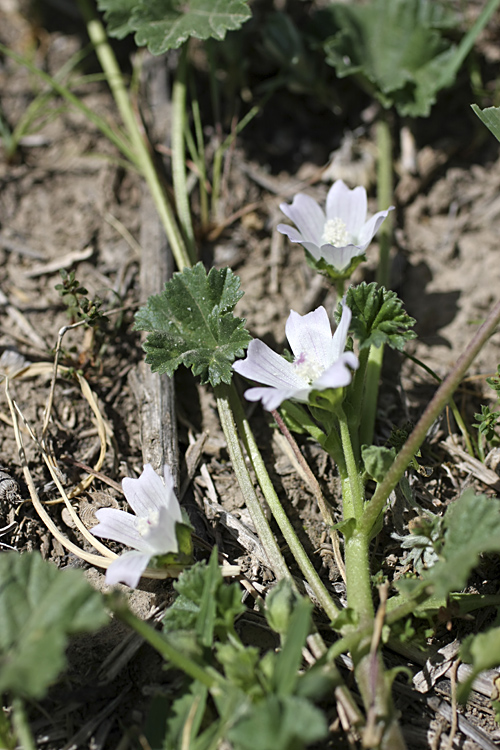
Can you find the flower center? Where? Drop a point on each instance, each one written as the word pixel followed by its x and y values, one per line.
pixel 335 233
pixel 144 525
pixel 306 368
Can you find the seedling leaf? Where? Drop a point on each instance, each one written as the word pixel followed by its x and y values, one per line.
pixel 191 323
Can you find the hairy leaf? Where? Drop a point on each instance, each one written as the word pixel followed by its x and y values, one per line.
pixel 490 117
pixel 483 652
pixel 166 24
pixel 377 460
pixel 397 47
pixel 191 323
pixel 279 723
pixel 205 604
pixel 472 528
pixel 117 14
pixel 378 317
pixel 40 607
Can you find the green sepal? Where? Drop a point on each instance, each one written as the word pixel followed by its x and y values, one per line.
pixel 336 276
pixel 328 400
pixel 184 555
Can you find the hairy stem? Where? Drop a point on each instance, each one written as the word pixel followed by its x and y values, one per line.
pixel 356 493
pixel 296 548
pixel 324 507
pixel 170 653
pixel 276 561
pixel 434 408
pixel 384 197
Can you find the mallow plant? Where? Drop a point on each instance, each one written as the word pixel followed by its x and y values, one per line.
pixel 323 389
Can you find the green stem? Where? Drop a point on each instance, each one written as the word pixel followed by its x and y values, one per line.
pixel 384 197
pixel 356 494
pixel 276 561
pixel 370 400
pixel 454 408
pixel 179 153
pixel 142 157
pixel 201 160
pixel 170 653
pixel 286 528
pixel 376 505
pixel 357 397
pixel 21 725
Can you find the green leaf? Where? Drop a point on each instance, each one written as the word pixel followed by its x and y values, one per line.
pixel 279 723
pixel 117 14
pixel 490 117
pixel 280 603
pixel 192 323
pixel 377 460
pixel 290 657
pixel 170 722
pixel 40 607
pixel 241 665
pixel 472 528
pixel 398 50
pixel 483 652
pixel 378 317
pixel 166 24
pixel 206 604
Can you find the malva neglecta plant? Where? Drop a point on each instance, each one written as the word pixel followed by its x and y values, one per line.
pixel 327 390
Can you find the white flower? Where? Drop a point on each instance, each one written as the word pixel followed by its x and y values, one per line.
pixel 341 235
pixel 150 532
pixel 320 361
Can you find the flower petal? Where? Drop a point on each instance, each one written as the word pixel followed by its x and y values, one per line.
pixel 340 257
pixel 339 374
pixel 348 205
pixel 265 366
pixel 307 216
pixel 311 335
pixel 147 493
pixel 128 568
pixel 338 342
pixel 273 397
pixel 161 536
pixel 172 503
pixel 369 230
pixel 119 526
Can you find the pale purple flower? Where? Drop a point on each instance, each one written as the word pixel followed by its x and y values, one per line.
pixel 339 236
pixel 320 361
pixel 151 531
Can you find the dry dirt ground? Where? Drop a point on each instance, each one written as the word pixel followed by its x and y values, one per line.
pixel 66 202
